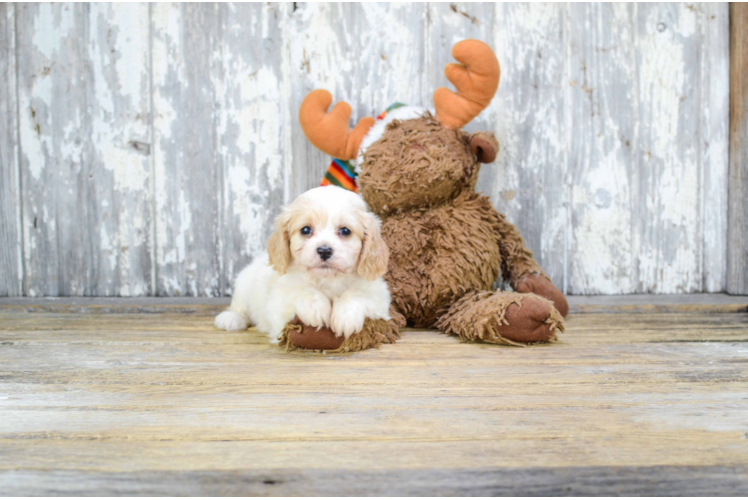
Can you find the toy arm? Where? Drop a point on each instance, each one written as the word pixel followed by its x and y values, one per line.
pixel 519 267
pixel 517 260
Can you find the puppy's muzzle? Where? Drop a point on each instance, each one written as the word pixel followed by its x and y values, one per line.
pixel 324 252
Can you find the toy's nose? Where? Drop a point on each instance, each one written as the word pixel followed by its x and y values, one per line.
pixel 324 252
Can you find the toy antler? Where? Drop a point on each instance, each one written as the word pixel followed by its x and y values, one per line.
pixel 329 132
pixel 476 80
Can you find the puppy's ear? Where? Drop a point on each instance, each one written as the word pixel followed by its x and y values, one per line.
pixel 372 262
pixel 279 244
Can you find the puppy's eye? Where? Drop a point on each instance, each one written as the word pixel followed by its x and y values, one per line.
pixel 344 231
pixel 306 230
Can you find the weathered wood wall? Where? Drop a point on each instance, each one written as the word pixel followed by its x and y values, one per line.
pixel 146 148
pixel 737 231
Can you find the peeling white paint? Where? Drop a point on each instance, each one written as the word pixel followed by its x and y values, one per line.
pixel 612 121
pixel 32 146
pixel 46 37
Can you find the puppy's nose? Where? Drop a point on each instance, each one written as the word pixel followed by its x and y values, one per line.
pixel 324 252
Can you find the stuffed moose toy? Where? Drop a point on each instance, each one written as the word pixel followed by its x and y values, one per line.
pixel 418 172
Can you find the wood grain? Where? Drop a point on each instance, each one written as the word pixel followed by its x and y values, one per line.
pixel 528 182
pixel 120 178
pixel 737 247
pixel 644 303
pixel 669 177
pixel 186 54
pixel 601 92
pixel 155 144
pixel 637 200
pixel 715 122
pixel 11 259
pixel 55 149
pixel 146 404
pixel 484 481
pixel 251 123
pixel 84 144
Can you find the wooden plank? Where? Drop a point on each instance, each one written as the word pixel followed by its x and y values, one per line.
pixel 84 137
pixel 99 305
pixel 602 216
pixel 186 169
pixel 328 47
pixel 696 324
pixel 119 186
pixel 579 304
pixel 144 404
pixel 251 124
pixel 646 195
pixel 72 341
pixel 54 138
pixel 737 247
pixel 484 481
pixel 22 329
pixel 668 153
pixel 527 182
pixel 647 303
pixel 715 143
pixel 11 260
pixel 602 120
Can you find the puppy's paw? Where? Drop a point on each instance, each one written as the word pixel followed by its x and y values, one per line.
pixel 314 310
pixel 231 321
pixel 347 319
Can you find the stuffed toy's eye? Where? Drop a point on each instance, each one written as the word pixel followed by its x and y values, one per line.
pixel 344 231
pixel 306 230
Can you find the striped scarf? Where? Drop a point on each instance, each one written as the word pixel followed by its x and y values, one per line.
pixel 342 173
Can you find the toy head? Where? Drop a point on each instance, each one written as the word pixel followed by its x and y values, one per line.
pixel 412 158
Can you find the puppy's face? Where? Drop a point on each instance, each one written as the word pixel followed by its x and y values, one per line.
pixel 328 231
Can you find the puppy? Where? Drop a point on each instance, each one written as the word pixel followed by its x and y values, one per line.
pixel 324 264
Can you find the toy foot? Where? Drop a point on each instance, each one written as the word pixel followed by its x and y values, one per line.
pixel 540 285
pixel 508 318
pixel 297 334
pixel 375 333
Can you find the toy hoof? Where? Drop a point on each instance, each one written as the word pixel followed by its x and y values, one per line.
pixel 540 285
pixel 311 337
pixel 507 318
pixel 376 332
pixel 526 321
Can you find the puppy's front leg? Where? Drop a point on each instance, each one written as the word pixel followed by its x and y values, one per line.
pixel 313 308
pixel 348 314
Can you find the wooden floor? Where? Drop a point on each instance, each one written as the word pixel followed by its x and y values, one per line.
pixel 100 402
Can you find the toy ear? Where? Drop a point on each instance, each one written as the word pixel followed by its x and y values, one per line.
pixel 484 146
pixel 372 262
pixel 279 244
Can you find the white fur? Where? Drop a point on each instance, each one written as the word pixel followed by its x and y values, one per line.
pixel 321 293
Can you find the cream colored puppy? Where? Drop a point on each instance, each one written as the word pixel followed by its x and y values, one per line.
pixel 324 264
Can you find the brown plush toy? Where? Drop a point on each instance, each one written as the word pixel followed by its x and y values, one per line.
pixel 376 332
pixel 447 243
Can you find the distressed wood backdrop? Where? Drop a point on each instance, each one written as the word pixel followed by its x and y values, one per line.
pixel 146 148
